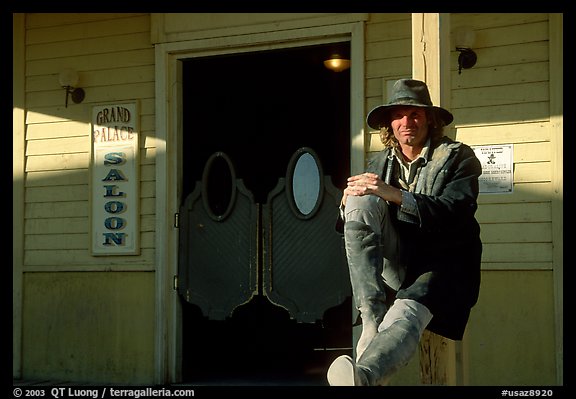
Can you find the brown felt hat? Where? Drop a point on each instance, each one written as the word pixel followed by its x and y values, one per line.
pixel 406 92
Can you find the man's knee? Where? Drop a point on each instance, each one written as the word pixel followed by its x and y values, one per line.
pixel 368 209
pixel 361 203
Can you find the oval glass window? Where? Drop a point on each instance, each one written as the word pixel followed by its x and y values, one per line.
pixel 218 186
pixel 306 183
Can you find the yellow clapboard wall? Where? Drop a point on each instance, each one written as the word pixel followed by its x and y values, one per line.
pixel 84 318
pixel 505 99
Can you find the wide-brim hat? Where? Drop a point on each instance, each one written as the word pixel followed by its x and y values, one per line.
pixel 406 92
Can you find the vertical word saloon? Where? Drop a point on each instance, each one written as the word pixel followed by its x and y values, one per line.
pixel 115 180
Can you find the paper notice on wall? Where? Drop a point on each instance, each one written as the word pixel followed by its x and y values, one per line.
pixel 497 168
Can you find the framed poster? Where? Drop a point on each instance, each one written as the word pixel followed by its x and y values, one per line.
pixel 115 188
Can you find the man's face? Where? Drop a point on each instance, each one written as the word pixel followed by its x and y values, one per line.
pixel 409 125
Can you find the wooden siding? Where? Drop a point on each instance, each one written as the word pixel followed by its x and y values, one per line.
pixel 503 99
pixel 89 326
pixel 115 61
pixel 77 323
pixel 388 53
pixel 510 336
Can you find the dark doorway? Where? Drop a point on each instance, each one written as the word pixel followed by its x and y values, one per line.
pixel 259 108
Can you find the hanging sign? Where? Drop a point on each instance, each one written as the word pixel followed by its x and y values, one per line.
pixel 115 216
pixel 497 168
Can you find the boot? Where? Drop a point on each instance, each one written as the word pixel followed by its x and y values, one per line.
pixel 391 349
pixel 365 262
pixel 387 352
pixel 344 372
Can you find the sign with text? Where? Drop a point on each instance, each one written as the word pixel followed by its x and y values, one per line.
pixel 497 168
pixel 115 217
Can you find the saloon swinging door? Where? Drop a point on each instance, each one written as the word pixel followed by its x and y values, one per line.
pixel 262 276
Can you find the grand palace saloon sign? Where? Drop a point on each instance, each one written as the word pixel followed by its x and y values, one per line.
pixel 115 216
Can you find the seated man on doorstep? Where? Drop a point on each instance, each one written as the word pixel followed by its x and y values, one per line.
pixel 412 241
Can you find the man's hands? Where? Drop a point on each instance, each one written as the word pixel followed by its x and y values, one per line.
pixel 370 183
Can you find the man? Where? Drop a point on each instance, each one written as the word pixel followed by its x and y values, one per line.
pixel 412 241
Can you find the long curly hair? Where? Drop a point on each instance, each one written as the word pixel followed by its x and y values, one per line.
pixel 435 129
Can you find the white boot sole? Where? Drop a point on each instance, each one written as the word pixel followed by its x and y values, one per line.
pixel 341 372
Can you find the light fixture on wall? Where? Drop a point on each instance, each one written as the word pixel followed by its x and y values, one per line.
pixel 337 63
pixel 68 79
pixel 464 38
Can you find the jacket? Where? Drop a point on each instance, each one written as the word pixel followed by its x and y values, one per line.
pixel 442 253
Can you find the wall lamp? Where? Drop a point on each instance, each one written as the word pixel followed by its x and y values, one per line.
pixel 464 38
pixel 68 80
pixel 337 63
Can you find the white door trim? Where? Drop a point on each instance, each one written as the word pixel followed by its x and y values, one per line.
pixel 167 342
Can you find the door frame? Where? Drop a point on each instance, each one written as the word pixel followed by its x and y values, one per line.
pixel 168 88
